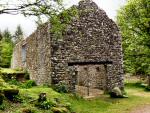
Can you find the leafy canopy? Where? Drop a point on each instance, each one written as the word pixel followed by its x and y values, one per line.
pixel 134 22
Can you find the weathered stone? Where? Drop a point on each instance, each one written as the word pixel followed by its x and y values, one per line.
pixel 91 39
pixel 42 97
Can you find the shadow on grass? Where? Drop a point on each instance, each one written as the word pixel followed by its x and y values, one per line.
pixel 135 85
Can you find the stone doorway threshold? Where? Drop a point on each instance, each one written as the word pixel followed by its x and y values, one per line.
pixel 82 90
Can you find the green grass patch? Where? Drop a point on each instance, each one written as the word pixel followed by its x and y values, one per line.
pixel 9 70
pixel 102 104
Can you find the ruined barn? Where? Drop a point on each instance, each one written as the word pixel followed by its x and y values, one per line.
pixel 88 58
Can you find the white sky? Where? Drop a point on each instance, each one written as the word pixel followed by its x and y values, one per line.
pixel 28 23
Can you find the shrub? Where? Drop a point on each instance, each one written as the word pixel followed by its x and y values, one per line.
pixel 10 93
pixel 61 87
pixel 147 88
pixel 44 105
pixel 29 84
pixel 27 75
pixel 1 99
pixel 8 76
pixel 17 98
pixel 14 82
pixel 2 107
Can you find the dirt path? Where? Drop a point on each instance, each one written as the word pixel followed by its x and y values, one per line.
pixel 142 109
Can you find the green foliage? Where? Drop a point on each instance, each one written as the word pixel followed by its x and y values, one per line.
pixel 147 88
pixel 60 21
pixel 14 82
pixel 11 94
pixel 61 87
pixel 134 22
pixel 6 49
pixel 6 54
pixel 44 105
pixel 1 98
pixel 17 99
pixel 27 75
pixel 18 34
pixel 2 107
pixel 7 37
pixel 29 84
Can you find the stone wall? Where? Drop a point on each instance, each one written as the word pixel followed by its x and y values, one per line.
pixel 38 53
pixel 17 56
pixel 90 39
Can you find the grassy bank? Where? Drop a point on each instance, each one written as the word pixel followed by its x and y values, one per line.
pixel 102 104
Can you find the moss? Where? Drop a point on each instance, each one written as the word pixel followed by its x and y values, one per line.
pixel 1 98
pixel 60 110
pixel 10 93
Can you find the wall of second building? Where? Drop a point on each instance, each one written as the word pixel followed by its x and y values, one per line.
pixel 37 56
pixel 17 61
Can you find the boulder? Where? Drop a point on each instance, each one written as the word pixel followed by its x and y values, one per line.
pixel 117 93
pixel 10 93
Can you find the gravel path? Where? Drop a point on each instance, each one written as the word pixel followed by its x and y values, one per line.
pixel 142 109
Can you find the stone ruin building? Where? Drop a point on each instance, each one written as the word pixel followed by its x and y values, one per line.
pixel 88 58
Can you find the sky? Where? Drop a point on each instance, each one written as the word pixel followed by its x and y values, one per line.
pixel 28 24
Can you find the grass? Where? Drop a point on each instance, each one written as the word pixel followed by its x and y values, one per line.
pixel 103 104
pixel 7 70
pixel 10 71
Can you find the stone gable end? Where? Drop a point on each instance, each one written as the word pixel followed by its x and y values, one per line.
pixel 91 42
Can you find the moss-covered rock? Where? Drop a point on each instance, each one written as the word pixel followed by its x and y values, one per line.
pixel 1 98
pixel 10 93
pixel 60 110
pixel 117 93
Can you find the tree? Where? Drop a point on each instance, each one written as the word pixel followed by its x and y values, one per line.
pixel 32 7
pixel 7 36
pixel 6 54
pixel 1 37
pixel 134 22
pixel 18 34
pixel 6 49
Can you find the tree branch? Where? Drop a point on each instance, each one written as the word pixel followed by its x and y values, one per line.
pixel 19 8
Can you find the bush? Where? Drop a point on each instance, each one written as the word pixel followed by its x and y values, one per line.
pixel 44 105
pixel 8 76
pixel 61 88
pixel 27 75
pixel 29 84
pixel 14 82
pixel 1 99
pixel 17 98
pixel 10 93
pixel 2 107
pixel 147 88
